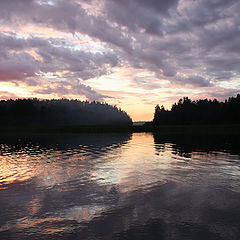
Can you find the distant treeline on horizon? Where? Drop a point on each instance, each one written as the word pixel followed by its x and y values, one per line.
pixel 60 112
pixel 202 111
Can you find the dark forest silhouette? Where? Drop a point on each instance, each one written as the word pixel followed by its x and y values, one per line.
pixel 203 111
pixel 60 112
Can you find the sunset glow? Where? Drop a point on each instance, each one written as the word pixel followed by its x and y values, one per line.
pixel 133 54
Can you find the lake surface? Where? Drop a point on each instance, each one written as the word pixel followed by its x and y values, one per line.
pixel 120 186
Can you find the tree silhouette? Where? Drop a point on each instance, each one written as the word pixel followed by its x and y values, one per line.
pixel 60 112
pixel 203 111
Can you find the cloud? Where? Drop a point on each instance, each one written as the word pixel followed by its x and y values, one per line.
pixel 194 80
pixel 18 65
pixel 145 84
pixel 168 39
pixel 4 95
pixel 63 89
pixel 65 16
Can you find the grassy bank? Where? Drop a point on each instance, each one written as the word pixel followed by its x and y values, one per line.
pixel 166 129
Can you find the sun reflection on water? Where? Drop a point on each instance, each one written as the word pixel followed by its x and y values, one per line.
pixel 57 187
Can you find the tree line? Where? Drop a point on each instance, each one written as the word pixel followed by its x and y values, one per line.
pixel 60 112
pixel 202 111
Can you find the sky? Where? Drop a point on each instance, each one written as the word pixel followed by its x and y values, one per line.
pixel 131 53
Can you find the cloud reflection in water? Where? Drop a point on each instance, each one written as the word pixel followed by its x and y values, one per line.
pixel 116 186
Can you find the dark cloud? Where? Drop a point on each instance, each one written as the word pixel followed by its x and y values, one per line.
pixel 208 12
pixel 223 93
pixel 20 65
pixel 17 65
pixel 158 6
pixel 168 38
pixel 194 80
pixel 65 16
pixel 133 15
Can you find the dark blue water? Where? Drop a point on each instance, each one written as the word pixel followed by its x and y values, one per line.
pixel 119 186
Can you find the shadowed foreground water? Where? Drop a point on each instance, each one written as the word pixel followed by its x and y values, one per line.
pixel 119 186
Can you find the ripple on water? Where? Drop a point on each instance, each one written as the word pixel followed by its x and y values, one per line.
pixel 118 186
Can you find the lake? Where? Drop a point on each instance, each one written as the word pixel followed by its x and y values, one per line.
pixel 120 186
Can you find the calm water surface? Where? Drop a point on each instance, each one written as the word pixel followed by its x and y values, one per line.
pixel 119 186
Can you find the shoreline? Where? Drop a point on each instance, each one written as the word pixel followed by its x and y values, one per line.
pixel 233 129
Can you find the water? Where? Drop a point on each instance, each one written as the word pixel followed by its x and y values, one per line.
pixel 119 186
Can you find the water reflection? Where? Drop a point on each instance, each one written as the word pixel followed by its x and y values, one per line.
pixel 119 186
pixel 187 143
pixel 52 156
